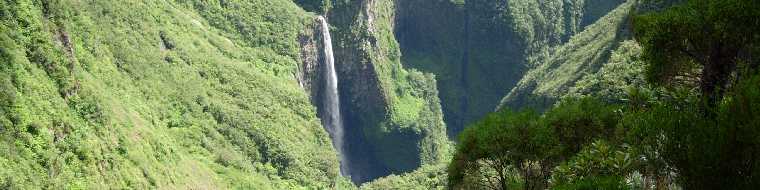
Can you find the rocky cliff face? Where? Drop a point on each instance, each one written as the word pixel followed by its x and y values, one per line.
pixel 308 75
pixel 392 116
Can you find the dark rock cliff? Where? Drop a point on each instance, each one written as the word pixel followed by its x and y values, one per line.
pixel 308 76
pixel 392 116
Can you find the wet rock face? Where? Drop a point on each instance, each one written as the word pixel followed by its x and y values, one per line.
pixel 364 103
pixel 366 58
pixel 310 76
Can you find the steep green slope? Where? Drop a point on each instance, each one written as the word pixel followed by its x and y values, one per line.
pixel 583 55
pixel 157 94
pixel 616 78
pixel 479 48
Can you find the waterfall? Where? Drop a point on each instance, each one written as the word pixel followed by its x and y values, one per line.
pixel 331 118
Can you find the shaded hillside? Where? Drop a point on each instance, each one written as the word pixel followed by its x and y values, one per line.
pixel 584 54
pixel 157 94
pixel 478 48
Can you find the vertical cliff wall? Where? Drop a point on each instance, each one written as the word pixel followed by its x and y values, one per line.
pixel 392 115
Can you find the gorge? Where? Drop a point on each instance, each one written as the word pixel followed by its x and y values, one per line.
pixel 340 94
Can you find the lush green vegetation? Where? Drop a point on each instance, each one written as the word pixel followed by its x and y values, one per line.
pixel 584 143
pixel 181 94
pixel 396 107
pixel 702 49
pixel 396 111
pixel 612 82
pixel 510 143
pixel 204 87
pixel 426 177
pixel 670 132
pixel 479 49
pixel 573 65
pixel 157 94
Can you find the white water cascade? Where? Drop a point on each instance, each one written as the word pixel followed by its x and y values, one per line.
pixel 331 118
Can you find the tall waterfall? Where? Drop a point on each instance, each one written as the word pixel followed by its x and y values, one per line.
pixel 331 118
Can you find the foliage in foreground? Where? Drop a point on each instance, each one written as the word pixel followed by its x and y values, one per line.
pixel 522 148
pixel 661 138
pixel 580 144
pixel 714 150
pixel 700 43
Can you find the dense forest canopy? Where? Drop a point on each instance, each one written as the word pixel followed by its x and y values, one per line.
pixel 694 127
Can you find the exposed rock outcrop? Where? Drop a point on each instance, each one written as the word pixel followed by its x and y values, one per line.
pixel 309 72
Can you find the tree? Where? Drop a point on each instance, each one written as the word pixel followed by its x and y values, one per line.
pixel 707 45
pixel 598 164
pixel 699 43
pixel 578 122
pixel 491 151
pixel 719 152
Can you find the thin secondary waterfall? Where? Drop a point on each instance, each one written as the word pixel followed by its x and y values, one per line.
pixel 331 118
